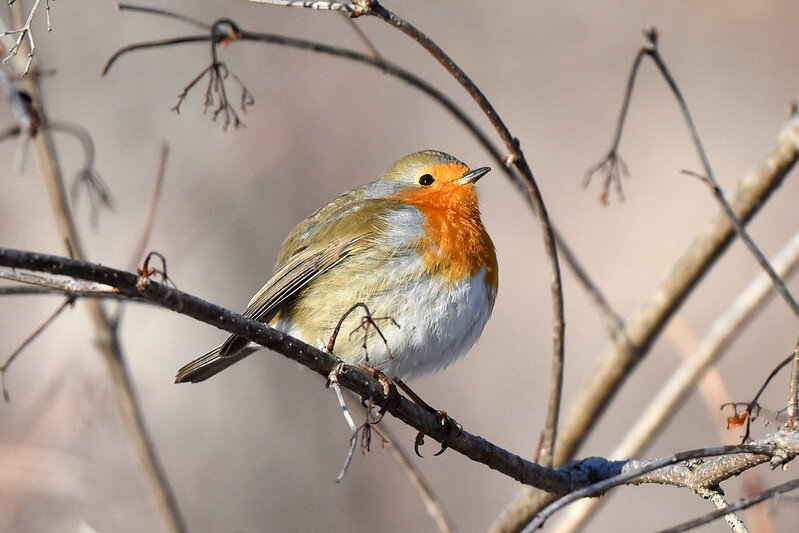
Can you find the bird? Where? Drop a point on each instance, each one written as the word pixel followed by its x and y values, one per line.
pixel 402 266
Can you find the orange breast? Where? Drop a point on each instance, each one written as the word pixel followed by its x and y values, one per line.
pixel 456 244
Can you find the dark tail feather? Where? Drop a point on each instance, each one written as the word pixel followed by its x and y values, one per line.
pixel 209 365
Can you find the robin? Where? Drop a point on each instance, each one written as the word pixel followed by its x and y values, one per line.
pixel 409 248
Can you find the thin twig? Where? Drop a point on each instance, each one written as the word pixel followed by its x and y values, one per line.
pixel 793 393
pixel 86 177
pixel 654 53
pixel 612 165
pixel 716 497
pixel 49 320
pixel 152 208
pixel 435 507
pixel 152 44
pixel 743 503
pixel 25 31
pixel 363 37
pixel 332 382
pixel 147 227
pixel 754 406
pixel 164 13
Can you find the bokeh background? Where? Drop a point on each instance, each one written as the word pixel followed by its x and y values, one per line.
pixel 258 447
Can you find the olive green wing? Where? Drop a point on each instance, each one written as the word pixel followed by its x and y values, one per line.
pixel 316 245
pixel 301 269
pixel 319 243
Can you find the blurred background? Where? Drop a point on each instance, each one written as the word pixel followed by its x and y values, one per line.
pixel 258 447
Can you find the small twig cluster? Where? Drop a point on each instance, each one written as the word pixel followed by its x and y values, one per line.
pixel 25 32
pixel 222 32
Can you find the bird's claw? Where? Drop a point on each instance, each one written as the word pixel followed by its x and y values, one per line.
pixel 451 429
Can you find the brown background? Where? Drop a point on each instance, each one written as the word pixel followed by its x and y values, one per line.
pixel 258 447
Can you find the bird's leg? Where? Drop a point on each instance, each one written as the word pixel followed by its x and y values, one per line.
pixel 450 425
pixel 368 321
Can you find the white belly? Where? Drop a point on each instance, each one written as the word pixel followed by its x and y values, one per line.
pixel 436 324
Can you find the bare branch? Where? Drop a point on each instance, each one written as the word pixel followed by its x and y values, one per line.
pixel 793 393
pixel 25 31
pixel 717 498
pixel 624 352
pixel 7 364
pixel 108 340
pixel 613 166
pixel 682 381
pixel 164 13
pixel 678 469
pixel 743 503
pixel 57 283
pixel 151 44
pixel 152 207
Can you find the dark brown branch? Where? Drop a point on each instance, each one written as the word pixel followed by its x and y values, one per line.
pixel 360 382
pixel 163 13
pixel 152 44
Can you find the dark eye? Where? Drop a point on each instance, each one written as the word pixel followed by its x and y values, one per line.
pixel 426 179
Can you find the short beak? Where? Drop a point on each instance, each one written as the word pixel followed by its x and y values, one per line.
pixel 473 175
